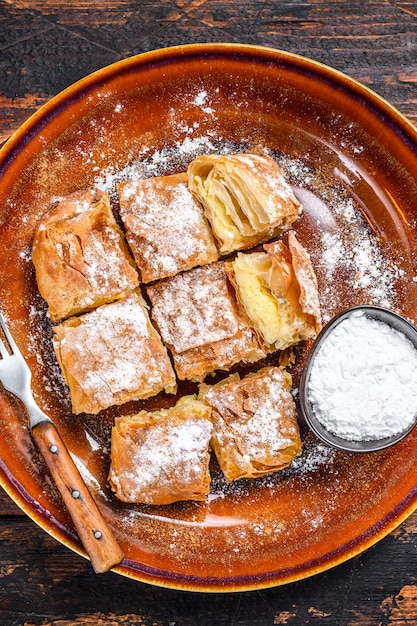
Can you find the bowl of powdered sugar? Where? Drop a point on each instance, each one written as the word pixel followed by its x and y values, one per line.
pixel 358 390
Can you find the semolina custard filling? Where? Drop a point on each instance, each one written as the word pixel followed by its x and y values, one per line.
pixel 276 293
pixel 262 290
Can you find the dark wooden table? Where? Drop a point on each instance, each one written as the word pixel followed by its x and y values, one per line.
pixel 45 46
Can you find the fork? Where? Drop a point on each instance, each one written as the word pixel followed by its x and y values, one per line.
pixel 96 537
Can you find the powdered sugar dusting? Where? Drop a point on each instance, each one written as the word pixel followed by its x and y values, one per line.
pixel 194 309
pixel 161 162
pixel 112 354
pixel 166 458
pixel 255 425
pixel 313 458
pixel 363 262
pixel 201 100
pixel 162 451
pixel 344 250
pixel 165 226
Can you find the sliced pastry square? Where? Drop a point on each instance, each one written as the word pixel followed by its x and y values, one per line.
pixel 80 256
pixel 165 226
pixel 112 355
pixel 163 456
pixel 255 423
pixel 245 197
pixel 200 321
pixel 279 293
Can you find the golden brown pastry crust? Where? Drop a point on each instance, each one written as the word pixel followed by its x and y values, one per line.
pixel 306 278
pixel 199 320
pixel 112 355
pixel 80 256
pixel 163 456
pixel 245 197
pixel 255 423
pixel 304 294
pixel 165 226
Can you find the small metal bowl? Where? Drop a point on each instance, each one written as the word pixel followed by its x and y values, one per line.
pixel 381 314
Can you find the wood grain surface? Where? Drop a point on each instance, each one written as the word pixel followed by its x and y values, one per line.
pixel 44 47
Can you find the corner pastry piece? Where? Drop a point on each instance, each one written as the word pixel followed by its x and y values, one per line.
pixel 245 197
pixel 162 456
pixel 199 320
pixel 80 256
pixel 112 355
pixel 278 291
pixel 165 226
pixel 255 423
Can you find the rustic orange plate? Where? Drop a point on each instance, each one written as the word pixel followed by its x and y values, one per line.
pixel 352 159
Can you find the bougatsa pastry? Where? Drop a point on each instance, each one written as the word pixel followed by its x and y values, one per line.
pixel 199 320
pixel 80 256
pixel 255 423
pixel 112 355
pixel 165 226
pixel 245 197
pixel 278 291
pixel 163 456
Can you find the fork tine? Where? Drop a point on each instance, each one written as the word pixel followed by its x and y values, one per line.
pixel 3 351
pixel 10 340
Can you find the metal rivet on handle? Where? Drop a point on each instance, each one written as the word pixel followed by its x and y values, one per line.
pixel 53 448
pixel 97 534
pixel 75 494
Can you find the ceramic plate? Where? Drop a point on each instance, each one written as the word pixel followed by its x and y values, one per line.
pixel 351 159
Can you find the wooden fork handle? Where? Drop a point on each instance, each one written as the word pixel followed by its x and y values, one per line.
pixel 96 537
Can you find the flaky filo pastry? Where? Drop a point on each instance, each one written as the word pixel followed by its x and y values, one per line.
pixel 112 355
pixel 245 198
pixel 255 423
pixel 165 226
pixel 201 322
pixel 80 255
pixel 278 292
pixel 162 456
